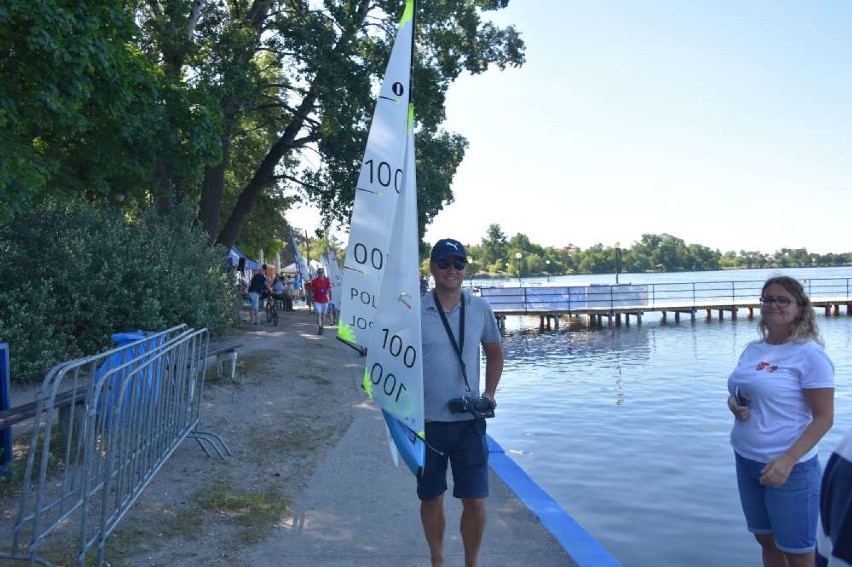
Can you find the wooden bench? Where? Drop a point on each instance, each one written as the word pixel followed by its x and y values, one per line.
pixel 27 411
pixel 64 401
pixel 225 354
pixel 23 412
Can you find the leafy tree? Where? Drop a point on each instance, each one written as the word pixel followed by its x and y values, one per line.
pixel 701 258
pixel 80 107
pixel 754 259
pixel 596 260
pixel 301 75
pixel 224 104
pixel 654 252
pixel 493 246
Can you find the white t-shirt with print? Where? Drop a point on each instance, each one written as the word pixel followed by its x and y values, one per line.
pixel 774 377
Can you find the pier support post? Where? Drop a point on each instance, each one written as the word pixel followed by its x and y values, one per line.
pixel 544 321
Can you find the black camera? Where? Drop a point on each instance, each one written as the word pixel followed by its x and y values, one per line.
pixel 480 407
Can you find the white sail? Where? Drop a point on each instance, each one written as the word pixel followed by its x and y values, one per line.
pixel 379 183
pixel 394 372
pixel 380 299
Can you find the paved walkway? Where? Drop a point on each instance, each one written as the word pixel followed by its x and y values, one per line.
pixel 360 510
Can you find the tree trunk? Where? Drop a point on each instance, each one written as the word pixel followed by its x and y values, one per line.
pixel 165 197
pixel 212 188
pixel 211 199
pixel 264 175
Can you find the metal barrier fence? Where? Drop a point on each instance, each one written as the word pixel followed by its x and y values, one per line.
pixel 653 296
pixel 137 403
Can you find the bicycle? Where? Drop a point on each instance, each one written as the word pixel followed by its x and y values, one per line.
pixel 272 309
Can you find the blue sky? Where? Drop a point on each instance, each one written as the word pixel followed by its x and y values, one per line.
pixel 724 123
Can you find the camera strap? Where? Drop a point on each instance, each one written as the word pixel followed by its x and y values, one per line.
pixel 457 346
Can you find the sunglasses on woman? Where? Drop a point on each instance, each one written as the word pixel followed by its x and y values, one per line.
pixel 445 264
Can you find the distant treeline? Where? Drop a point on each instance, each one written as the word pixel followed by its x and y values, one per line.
pixel 497 254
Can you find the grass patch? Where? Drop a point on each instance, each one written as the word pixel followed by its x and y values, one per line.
pixel 148 535
pixel 246 365
pixel 266 442
pixel 255 513
pixel 253 364
pixel 315 378
pixel 12 482
pixel 186 522
pixel 300 434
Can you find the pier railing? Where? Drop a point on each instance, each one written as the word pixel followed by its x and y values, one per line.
pixel 601 298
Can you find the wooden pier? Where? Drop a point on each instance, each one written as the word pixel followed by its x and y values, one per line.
pixel 605 305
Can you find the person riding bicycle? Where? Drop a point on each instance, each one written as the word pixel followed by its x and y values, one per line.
pixel 258 288
pixel 279 290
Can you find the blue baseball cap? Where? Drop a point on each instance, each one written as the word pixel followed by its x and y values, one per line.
pixel 447 248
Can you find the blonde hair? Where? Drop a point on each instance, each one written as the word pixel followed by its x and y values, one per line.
pixel 805 326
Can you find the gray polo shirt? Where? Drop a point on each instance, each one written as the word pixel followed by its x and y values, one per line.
pixel 442 375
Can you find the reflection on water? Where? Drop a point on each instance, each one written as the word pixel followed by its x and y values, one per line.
pixel 627 428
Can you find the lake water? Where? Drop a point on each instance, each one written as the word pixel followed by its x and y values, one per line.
pixel 627 428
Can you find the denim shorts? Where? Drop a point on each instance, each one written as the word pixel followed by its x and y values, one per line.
pixel 463 445
pixel 254 300
pixel 789 512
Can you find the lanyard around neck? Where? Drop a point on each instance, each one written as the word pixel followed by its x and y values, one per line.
pixel 457 346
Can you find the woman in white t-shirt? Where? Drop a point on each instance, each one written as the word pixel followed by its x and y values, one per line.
pixel 782 396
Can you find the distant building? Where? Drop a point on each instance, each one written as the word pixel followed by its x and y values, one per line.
pixel 571 248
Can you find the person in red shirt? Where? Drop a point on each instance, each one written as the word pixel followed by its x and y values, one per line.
pixel 321 287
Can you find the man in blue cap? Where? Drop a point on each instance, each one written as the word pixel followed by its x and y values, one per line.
pixel 454 324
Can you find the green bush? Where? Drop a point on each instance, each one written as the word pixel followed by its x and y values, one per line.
pixel 72 276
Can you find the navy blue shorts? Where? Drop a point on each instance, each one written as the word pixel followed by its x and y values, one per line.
pixel 463 445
